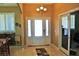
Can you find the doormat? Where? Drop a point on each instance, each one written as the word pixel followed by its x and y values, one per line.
pixel 41 52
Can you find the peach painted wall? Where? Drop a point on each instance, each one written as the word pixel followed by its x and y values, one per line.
pixel 58 9
pixel 30 10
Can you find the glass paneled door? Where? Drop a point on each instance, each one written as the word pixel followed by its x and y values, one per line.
pixel 65 33
pixel 38 32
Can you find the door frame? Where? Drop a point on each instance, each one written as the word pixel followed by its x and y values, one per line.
pixel 26 27
pixel 60 33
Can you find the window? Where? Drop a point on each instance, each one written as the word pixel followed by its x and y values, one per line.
pixel 65 24
pixel 38 27
pixel 7 22
pixel 10 23
pixel 2 22
pixel 46 27
pixel 29 28
pixel 72 21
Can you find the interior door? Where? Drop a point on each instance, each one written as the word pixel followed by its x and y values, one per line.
pixel 65 34
pixel 38 32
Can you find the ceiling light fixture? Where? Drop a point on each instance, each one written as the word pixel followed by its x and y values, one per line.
pixel 41 9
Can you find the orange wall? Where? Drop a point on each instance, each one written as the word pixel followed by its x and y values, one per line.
pixel 30 10
pixel 58 9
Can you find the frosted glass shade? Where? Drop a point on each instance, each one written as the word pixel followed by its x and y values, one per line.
pixel 45 9
pixel 41 8
pixel 37 9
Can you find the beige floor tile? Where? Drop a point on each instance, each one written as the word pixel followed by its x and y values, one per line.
pixel 31 51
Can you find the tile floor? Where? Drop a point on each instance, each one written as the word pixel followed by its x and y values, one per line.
pixel 31 51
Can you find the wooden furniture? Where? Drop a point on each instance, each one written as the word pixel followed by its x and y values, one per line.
pixel 4 47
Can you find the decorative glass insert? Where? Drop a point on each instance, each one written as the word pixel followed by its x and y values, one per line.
pixel 38 27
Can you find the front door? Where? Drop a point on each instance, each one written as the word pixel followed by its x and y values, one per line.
pixel 38 31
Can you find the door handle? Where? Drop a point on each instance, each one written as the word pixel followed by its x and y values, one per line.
pixel 44 31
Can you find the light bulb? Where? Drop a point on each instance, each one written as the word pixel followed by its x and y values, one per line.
pixel 37 9
pixel 41 7
pixel 45 9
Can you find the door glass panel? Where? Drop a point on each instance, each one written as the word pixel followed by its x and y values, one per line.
pixel 46 27
pixel 72 20
pixel 65 32
pixel 38 27
pixel 29 28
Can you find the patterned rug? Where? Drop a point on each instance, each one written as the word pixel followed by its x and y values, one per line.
pixel 41 52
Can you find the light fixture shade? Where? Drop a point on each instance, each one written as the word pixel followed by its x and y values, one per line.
pixel 41 8
pixel 45 9
pixel 37 9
